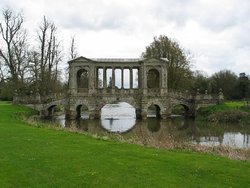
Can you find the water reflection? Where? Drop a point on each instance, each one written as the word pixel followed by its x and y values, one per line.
pixel 163 133
pixel 118 125
pixel 119 117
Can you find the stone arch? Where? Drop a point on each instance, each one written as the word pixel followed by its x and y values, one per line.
pixel 83 78
pixel 80 108
pixel 154 110
pixel 153 78
pixel 185 107
pixel 157 107
pixel 50 110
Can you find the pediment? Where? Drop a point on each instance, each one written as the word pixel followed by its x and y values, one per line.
pixel 80 59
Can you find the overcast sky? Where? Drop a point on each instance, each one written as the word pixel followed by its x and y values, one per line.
pixel 216 32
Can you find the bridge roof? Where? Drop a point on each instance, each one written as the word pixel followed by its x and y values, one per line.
pixel 114 60
pixel 117 59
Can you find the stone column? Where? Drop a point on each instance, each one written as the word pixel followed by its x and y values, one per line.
pixel 72 80
pixel 91 79
pixel 122 86
pixel 104 77
pixel 113 77
pixel 131 78
pixel 144 80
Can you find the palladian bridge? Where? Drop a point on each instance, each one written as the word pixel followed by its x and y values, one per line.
pixel 140 82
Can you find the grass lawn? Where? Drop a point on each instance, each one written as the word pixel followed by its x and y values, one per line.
pixel 43 157
pixel 229 112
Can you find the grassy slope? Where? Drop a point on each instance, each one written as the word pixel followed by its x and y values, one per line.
pixel 237 109
pixel 40 157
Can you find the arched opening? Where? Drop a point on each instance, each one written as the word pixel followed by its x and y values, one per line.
pixel 153 79
pixel 82 112
pixel 180 110
pixel 51 110
pixel 154 111
pixel 82 79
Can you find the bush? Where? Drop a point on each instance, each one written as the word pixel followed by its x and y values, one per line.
pixel 232 116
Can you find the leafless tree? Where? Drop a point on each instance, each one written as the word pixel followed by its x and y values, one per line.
pixel 13 49
pixel 73 49
pixel 50 55
pixel 2 75
pixel 34 67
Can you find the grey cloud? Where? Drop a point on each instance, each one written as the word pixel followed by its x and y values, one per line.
pixel 92 17
pixel 214 18
pixel 96 23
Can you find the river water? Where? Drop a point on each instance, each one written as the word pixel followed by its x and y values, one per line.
pixel 120 119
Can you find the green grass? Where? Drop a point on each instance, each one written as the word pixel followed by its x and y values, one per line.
pixel 230 111
pixel 42 157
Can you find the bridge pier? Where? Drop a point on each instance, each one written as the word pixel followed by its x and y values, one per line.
pixel 94 114
pixel 164 116
pixel 70 114
pixel 138 113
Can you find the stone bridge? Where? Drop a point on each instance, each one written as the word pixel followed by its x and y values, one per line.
pixel 140 82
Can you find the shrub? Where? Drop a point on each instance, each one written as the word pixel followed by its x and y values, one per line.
pixel 233 116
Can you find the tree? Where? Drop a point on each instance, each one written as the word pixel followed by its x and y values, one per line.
pixel 73 50
pixel 13 51
pixel 201 81
pixel 178 61
pixel 244 86
pixel 225 80
pixel 50 56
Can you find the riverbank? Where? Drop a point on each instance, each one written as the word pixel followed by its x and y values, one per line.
pixel 227 112
pixel 42 157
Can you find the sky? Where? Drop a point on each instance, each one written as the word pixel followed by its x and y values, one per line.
pixel 215 32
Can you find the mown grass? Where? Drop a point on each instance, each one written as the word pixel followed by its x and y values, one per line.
pixel 42 157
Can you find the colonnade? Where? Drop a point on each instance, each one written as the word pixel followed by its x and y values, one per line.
pixel 103 75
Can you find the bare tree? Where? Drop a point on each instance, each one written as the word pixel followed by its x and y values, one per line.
pixel 13 51
pixel 2 75
pixel 34 67
pixel 50 55
pixel 73 49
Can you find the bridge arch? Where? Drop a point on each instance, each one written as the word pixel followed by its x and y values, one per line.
pixel 82 78
pixel 80 109
pixel 154 109
pixel 50 110
pixel 180 109
pixel 47 110
pixel 153 78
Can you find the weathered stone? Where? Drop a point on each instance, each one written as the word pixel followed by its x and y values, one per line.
pixel 141 98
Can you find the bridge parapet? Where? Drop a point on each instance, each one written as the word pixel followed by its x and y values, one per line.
pixel 36 98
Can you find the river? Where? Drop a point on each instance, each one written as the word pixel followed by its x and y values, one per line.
pixel 119 119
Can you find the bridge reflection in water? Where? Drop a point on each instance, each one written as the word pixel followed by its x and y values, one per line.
pixel 164 133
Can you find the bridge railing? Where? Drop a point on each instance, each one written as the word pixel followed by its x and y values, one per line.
pixel 198 97
pixel 36 98
pixel 115 91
